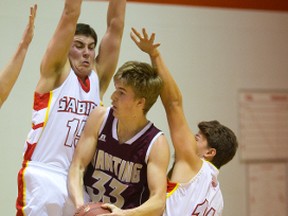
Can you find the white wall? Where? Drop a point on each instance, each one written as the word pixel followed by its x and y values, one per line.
pixel 212 53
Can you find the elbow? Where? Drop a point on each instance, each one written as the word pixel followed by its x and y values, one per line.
pixel 117 25
pixel 171 98
pixel 173 104
pixel 176 102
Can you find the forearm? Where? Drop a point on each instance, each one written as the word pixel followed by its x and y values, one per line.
pixel 11 72
pixel 56 56
pixel 67 24
pixel 75 186
pixel 170 94
pixel 154 206
pixel 109 48
pixel 116 14
pixel 72 7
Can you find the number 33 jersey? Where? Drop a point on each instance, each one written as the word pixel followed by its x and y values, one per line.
pixel 118 172
pixel 58 119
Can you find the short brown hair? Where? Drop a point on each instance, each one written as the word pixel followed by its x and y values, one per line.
pixel 86 30
pixel 143 79
pixel 222 139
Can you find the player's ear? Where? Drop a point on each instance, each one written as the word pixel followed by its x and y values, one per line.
pixel 141 102
pixel 210 153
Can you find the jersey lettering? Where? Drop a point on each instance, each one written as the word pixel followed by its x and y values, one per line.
pixel 125 170
pixel 202 209
pixel 74 130
pixel 68 104
pixel 104 180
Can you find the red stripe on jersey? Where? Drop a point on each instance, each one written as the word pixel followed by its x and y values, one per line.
pixel 171 186
pixel 41 101
pixel 34 127
pixel 29 151
pixel 21 191
pixel 85 85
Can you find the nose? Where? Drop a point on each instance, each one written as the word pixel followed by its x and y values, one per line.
pixel 113 96
pixel 86 52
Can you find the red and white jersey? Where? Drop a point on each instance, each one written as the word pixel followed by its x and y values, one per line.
pixel 201 196
pixel 58 119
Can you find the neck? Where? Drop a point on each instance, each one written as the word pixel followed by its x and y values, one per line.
pixel 126 130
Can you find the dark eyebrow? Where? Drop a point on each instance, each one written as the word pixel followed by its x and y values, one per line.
pixel 122 89
pixel 81 42
pixel 78 42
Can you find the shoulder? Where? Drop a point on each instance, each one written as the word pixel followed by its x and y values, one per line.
pixel 161 139
pixel 160 144
pixel 95 119
pixel 99 112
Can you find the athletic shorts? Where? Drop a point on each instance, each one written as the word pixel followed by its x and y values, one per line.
pixel 42 190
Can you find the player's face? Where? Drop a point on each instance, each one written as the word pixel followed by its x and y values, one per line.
pixel 82 55
pixel 202 144
pixel 124 102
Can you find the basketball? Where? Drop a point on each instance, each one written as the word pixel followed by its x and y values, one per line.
pixel 91 209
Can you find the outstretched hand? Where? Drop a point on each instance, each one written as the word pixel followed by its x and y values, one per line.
pixel 29 31
pixel 145 42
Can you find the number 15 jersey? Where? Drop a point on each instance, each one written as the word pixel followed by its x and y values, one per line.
pixel 58 120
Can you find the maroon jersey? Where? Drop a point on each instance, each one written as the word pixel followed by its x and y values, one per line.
pixel 118 172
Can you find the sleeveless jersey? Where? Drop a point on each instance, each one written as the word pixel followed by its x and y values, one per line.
pixel 118 172
pixel 58 118
pixel 200 196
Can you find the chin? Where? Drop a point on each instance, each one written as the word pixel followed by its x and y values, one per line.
pixel 85 74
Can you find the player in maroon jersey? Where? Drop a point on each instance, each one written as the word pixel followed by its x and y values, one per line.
pixel 126 155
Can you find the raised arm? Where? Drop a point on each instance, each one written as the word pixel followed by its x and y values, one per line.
pixel 182 137
pixel 109 48
pixel 55 64
pixel 83 154
pixel 10 73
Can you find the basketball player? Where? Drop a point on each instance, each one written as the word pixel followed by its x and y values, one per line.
pixel 72 83
pixel 126 155
pixel 193 188
pixel 10 73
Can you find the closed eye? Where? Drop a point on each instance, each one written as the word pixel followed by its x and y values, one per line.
pixel 197 137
